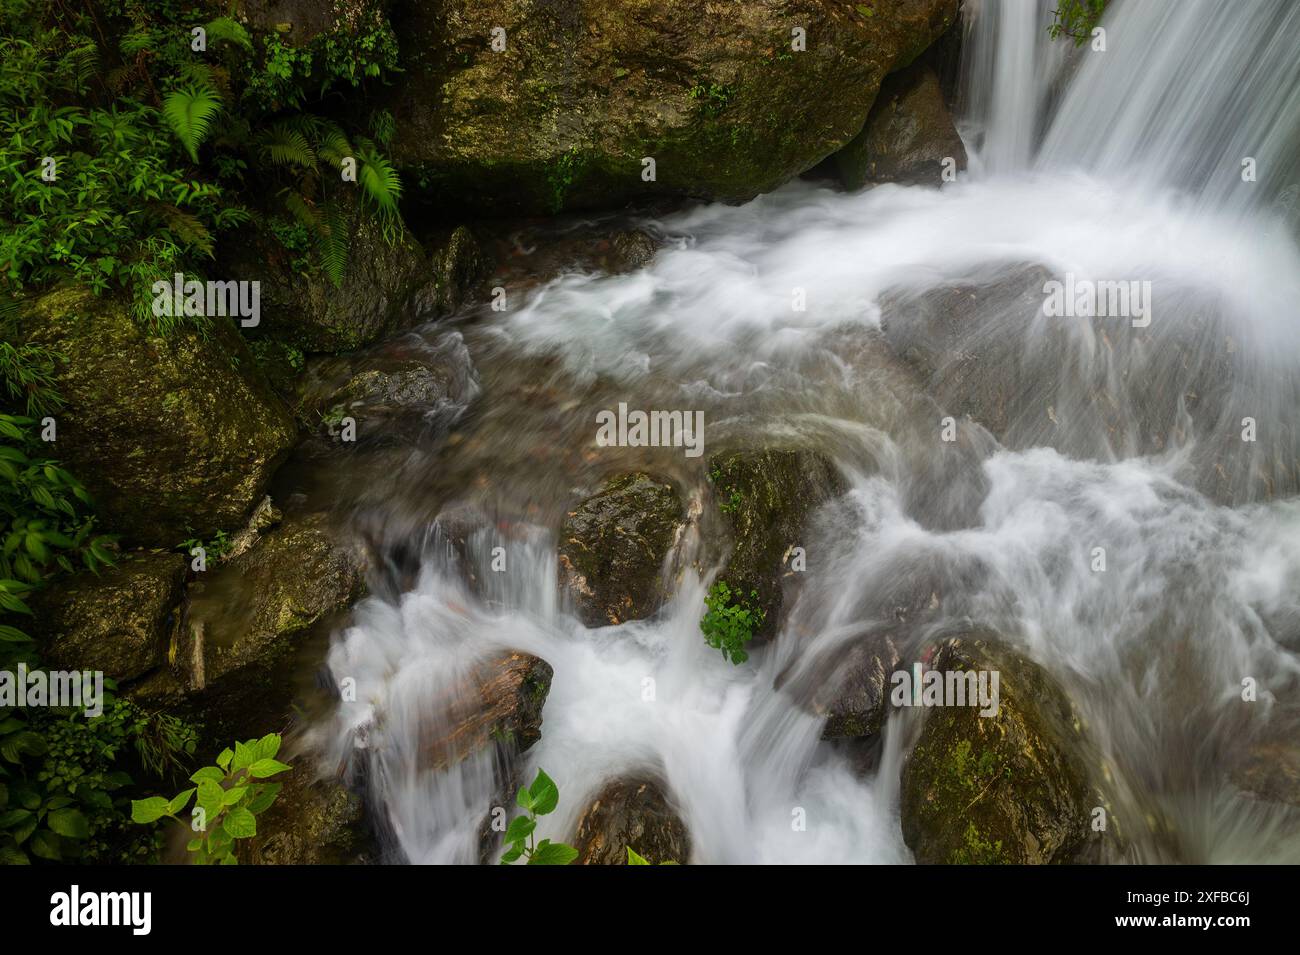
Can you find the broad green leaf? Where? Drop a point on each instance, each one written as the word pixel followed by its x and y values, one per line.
pixel 554 853
pixel 266 767
pixel 521 827
pixel 178 802
pixel 69 822
pixel 148 810
pixel 634 859
pixel 210 773
pixel 223 760
pixel 240 823
pixel 513 853
pixel 45 845
pixel 544 793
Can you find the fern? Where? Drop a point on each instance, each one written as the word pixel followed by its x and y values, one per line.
pixel 189 112
pixel 230 31
pixel 282 145
pixel 381 185
pixel 333 238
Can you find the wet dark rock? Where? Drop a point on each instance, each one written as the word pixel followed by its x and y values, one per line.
pixel 311 822
pixel 766 498
pixel 118 621
pixel 499 705
pixel 855 696
pixel 632 813
pixel 174 437
pixel 248 621
pixel 613 545
pixel 459 265
pixel 562 118
pixel 1011 788
pixel 908 135
pixel 1270 771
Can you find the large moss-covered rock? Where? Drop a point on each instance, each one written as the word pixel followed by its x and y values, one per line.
pixel 636 814
pixel 613 546
pixel 907 137
pixel 118 621
pixel 303 308
pixel 171 435
pixel 767 498
pixel 563 116
pixel 1011 788
pixel 311 822
pixel 249 618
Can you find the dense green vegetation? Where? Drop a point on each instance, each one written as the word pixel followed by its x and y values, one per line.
pixel 1076 19
pixel 228 797
pixel 123 146
pixel 730 620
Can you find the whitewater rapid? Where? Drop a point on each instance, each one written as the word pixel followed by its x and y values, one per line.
pixel 1199 593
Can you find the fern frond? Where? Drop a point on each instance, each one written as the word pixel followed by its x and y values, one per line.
pixel 283 145
pixel 84 63
pixel 230 31
pixel 188 228
pixel 333 243
pixel 332 143
pixel 189 112
pixel 381 185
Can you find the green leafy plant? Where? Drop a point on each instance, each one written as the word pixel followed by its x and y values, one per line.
pixel 228 798
pixel 1076 19
pixel 215 549
pixel 730 621
pixel 189 111
pixel 539 799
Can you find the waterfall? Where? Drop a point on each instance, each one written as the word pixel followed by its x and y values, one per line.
pixel 1122 165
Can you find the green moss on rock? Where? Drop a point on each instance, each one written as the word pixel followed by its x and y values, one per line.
pixel 173 436
pixel 1011 788
pixel 613 545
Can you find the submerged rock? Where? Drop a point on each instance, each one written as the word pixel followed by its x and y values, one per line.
pixel 767 498
pixel 118 621
pixel 175 436
pixel 1010 788
pixel 632 813
pixel 908 135
pixel 500 704
pixel 311 822
pixel 563 116
pixel 613 546
pixel 855 698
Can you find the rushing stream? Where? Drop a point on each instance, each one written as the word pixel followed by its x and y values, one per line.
pixel 1121 165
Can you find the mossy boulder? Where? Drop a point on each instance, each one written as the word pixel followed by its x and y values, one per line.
pixel 248 620
pixel 582 92
pixel 766 498
pixel 613 545
pixel 633 813
pixel 172 436
pixel 908 135
pixel 388 283
pixel 118 621
pixel 1011 788
pixel 312 822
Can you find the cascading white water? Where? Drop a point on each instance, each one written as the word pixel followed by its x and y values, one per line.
pixel 1130 169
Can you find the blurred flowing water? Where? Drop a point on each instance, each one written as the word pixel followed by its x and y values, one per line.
pixel 1093 432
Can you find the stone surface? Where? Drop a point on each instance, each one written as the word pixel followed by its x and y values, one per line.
pixel 174 437
pixel 631 813
pixel 1011 788
pixel 311 822
pixel 118 621
pixel 767 497
pixel 613 546
pixel 500 703
pixel 908 135
pixel 583 91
